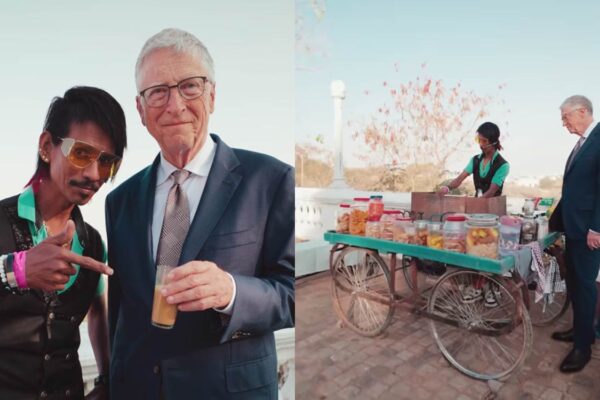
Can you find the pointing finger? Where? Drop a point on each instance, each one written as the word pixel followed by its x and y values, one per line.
pixel 87 262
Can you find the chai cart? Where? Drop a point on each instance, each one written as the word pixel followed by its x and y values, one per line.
pixel 482 341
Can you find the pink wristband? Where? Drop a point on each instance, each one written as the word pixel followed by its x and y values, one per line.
pixel 19 269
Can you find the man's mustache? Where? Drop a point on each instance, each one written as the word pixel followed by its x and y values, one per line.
pixel 86 184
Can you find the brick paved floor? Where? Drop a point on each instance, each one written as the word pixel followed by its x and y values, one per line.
pixel 333 362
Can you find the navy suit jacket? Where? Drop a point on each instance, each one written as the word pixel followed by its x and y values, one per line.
pixel 244 224
pixel 579 207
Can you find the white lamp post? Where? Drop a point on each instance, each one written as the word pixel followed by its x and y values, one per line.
pixel 338 92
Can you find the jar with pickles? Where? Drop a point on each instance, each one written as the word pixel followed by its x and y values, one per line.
pixel 342 218
pixel 358 216
pixel 373 228
pixel 388 219
pixel 376 206
pixel 482 235
pixel 404 230
pixel 455 233
pixel 435 237
pixel 421 232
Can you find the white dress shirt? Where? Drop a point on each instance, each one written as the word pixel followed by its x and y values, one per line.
pixel 193 187
pixel 589 130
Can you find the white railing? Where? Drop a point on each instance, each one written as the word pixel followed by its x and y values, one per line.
pixel 315 214
pixel 315 208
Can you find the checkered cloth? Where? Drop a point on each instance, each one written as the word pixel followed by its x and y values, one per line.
pixel 546 274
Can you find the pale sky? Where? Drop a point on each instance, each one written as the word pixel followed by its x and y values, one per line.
pixel 48 47
pixel 544 51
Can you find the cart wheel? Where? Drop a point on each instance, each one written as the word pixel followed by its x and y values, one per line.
pixel 426 275
pixel 543 314
pixel 480 323
pixel 360 287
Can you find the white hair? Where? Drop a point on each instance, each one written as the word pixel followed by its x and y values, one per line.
pixel 181 42
pixel 577 101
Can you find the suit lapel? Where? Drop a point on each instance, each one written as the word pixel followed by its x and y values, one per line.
pixel 221 185
pixel 586 145
pixel 144 210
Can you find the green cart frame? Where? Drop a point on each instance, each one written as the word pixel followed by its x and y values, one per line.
pixel 486 333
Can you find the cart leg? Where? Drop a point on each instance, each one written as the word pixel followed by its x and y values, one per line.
pixel 393 274
pixel 414 272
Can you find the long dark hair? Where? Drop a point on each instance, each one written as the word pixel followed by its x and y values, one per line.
pixel 82 104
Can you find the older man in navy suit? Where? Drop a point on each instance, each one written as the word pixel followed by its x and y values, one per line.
pixel 233 239
pixel 578 212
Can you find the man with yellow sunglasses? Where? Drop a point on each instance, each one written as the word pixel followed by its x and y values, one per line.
pixel 51 261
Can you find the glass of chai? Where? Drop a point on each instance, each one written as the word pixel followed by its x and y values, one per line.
pixel 163 313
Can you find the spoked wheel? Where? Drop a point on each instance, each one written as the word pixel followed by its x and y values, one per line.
pixel 480 323
pixel 361 290
pixel 422 272
pixel 544 313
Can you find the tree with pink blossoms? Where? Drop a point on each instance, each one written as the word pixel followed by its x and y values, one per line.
pixel 420 129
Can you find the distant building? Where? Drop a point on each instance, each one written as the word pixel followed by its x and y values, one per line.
pixel 529 181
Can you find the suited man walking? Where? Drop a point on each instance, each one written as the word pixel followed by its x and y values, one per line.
pixel 578 212
pixel 224 217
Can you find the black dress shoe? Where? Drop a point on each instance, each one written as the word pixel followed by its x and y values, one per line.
pixel 575 360
pixel 564 336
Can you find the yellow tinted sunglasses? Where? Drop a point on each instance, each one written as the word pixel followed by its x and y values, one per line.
pixel 81 155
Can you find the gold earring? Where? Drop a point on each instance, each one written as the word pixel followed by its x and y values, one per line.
pixel 43 157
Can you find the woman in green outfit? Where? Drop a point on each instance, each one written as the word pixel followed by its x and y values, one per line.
pixel 489 168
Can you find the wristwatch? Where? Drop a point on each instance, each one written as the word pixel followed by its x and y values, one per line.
pixel 101 379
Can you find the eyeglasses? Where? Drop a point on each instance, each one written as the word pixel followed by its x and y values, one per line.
pixel 563 117
pixel 189 89
pixel 81 155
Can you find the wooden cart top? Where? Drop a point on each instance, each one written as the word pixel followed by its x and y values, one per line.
pixel 499 266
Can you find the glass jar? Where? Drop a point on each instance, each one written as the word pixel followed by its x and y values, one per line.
pixel 404 230
pixel 528 230
pixel 388 219
pixel 455 233
pixel 376 207
pixel 342 218
pixel 528 207
pixel 482 235
pixel 373 228
pixel 542 227
pixel 421 232
pixel 435 237
pixel 358 216
pixel 510 230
